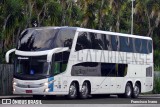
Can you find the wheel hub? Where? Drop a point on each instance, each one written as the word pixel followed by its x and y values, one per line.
pixel 84 90
pixel 136 90
pixel 72 90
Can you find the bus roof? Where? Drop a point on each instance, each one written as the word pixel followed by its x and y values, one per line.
pixel 79 29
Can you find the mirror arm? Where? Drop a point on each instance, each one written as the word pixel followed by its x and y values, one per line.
pixel 8 53
pixel 56 50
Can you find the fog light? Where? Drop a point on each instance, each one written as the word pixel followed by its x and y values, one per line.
pixel 14 89
pixel 46 90
pixel 46 83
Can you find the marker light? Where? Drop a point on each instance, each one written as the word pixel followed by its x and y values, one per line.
pixel 46 90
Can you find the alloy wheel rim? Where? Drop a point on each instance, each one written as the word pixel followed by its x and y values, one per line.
pixel 136 91
pixel 72 90
pixel 128 90
pixel 84 89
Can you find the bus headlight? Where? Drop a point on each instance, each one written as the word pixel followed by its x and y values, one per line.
pixel 46 83
pixel 14 83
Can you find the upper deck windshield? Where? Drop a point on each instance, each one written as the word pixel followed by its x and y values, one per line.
pixel 45 39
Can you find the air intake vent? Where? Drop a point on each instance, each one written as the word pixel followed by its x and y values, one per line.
pixel 149 72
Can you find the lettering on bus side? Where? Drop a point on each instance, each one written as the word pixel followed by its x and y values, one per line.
pixel 111 48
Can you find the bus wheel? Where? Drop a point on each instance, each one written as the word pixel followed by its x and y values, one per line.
pixel 128 91
pixel 84 90
pixel 72 91
pixel 136 91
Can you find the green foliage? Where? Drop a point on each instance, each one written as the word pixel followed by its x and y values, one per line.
pixel 156 88
pixel 157 60
pixel 157 68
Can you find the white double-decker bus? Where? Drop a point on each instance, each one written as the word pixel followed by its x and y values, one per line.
pixel 79 62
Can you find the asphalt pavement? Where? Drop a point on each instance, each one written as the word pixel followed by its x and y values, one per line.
pixel 148 99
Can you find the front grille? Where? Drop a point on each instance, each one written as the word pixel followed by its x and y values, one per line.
pixel 29 86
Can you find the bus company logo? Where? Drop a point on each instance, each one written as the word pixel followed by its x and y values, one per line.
pixel 6 101
pixel 29 83
pixel 23 58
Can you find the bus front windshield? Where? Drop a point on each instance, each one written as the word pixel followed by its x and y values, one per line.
pixel 31 67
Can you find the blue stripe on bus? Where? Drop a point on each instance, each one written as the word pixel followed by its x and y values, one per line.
pixel 50 86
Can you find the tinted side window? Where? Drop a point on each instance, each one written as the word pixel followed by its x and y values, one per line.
pixel 138 45
pixel 115 42
pixel 59 62
pixel 129 42
pixel 107 42
pixel 112 69
pixel 122 70
pixel 124 44
pixel 144 46
pixel 108 69
pixel 149 46
pixel 97 41
pixel 83 41
pixel 86 69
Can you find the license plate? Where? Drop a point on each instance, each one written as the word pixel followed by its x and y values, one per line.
pixel 28 91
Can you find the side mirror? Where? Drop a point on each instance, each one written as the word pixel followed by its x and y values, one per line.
pixel 8 53
pixel 56 50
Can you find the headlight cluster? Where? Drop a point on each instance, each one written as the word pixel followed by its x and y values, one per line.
pixel 14 84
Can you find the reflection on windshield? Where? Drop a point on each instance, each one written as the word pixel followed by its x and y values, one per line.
pixel 32 66
pixel 45 39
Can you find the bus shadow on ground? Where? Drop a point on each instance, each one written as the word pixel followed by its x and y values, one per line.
pixel 51 97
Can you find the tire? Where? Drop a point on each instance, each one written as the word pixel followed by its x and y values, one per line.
pixel 128 91
pixel 72 91
pixel 136 91
pixel 84 91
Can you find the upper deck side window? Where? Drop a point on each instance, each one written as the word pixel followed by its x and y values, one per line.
pixel 92 40
pixel 83 41
pixel 97 41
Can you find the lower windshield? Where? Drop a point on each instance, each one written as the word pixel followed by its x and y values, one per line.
pixel 32 67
